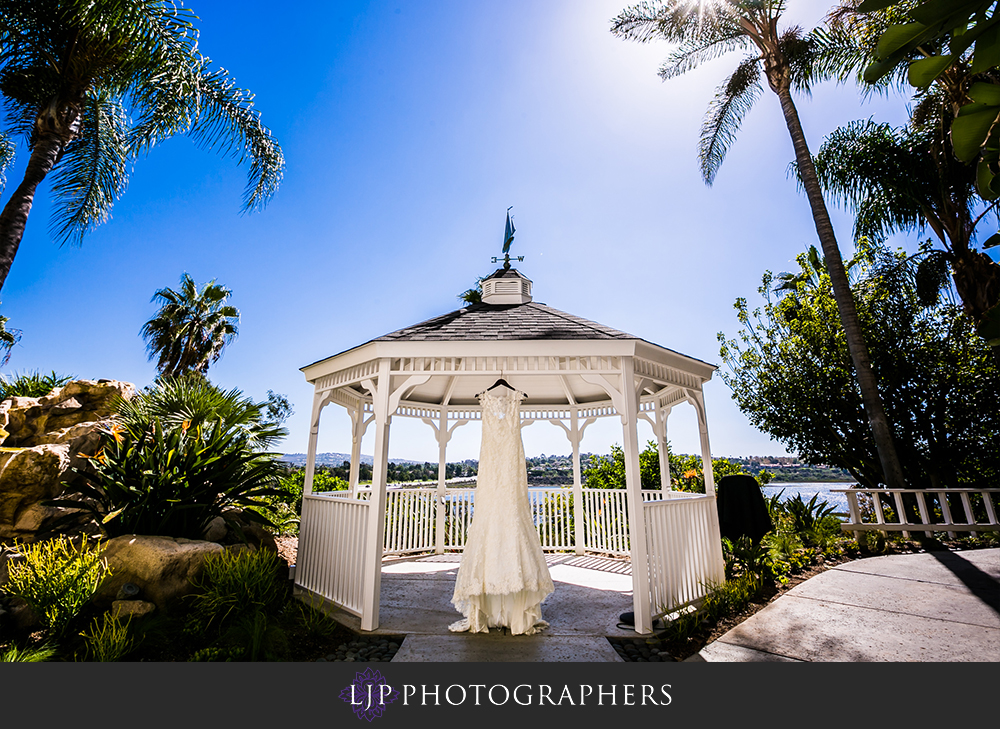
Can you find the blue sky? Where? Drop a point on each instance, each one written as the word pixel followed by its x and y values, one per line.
pixel 408 128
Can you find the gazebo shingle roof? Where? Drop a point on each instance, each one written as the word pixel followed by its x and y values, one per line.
pixel 492 322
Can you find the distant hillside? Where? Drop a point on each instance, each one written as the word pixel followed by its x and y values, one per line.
pixel 336 459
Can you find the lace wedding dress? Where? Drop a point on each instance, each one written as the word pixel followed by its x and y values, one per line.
pixel 503 577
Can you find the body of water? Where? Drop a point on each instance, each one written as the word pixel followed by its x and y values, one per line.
pixel 808 490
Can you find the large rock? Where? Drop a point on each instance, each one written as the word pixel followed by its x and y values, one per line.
pixel 28 477
pixel 28 420
pixel 250 532
pixel 165 569
pixel 42 439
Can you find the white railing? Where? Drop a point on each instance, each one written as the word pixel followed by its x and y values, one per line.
pixel 331 549
pixel 684 551
pixel 605 521
pixel 458 517
pixel 410 520
pixel 552 512
pixel 411 517
pixel 922 510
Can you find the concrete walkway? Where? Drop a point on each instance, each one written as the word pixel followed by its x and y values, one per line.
pixel 591 592
pixel 931 606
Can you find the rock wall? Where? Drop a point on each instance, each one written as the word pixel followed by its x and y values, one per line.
pixel 41 439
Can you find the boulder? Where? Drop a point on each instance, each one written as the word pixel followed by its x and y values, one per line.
pixel 131 608
pixel 218 530
pixel 164 568
pixel 42 439
pixel 30 476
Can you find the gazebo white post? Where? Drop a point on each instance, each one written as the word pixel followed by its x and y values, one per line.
pixel 625 398
pixel 577 483
pixel 358 428
pixel 443 436
pixel 319 401
pixel 374 542
pixel 633 486
pixel 575 434
pixel 660 430
pixel 697 398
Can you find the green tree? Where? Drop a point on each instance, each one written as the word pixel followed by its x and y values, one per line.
pixel 937 41
pixel 608 472
pixel 911 178
pixel 192 327
pixel 473 295
pixel 786 60
pixel 790 373
pixel 92 84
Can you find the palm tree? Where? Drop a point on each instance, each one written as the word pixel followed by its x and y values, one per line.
pixel 91 84
pixel 908 179
pixel 912 178
pixel 707 30
pixel 8 338
pixel 191 328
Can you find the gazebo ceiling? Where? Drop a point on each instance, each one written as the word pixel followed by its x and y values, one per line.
pixel 556 359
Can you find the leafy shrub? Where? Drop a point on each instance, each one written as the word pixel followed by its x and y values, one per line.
pixel 608 472
pixel 56 579
pixel 744 558
pixel 31 654
pixel 807 518
pixel 109 639
pixel 238 582
pixel 180 454
pixel 172 482
pixel 191 401
pixel 216 654
pixel 31 384
pixel 237 599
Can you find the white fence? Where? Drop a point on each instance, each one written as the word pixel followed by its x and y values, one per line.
pixel 683 544
pixel 330 559
pixel 684 550
pixel 411 515
pixel 922 510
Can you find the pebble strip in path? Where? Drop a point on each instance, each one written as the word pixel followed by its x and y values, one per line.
pixel 366 649
pixel 381 649
pixel 641 650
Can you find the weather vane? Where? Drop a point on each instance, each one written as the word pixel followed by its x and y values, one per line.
pixel 508 238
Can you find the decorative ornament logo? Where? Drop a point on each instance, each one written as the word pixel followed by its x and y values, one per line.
pixel 369 694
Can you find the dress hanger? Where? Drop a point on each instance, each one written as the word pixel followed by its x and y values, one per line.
pixel 498 383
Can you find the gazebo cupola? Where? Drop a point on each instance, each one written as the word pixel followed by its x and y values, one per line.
pixel 506 286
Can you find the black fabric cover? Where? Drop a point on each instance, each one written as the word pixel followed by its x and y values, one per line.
pixel 742 510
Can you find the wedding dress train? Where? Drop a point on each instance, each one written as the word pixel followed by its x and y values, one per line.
pixel 503 578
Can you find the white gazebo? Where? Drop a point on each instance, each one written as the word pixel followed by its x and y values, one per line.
pixel 573 371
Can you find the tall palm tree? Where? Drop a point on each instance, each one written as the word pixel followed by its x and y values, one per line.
pixel 91 84
pixel 191 328
pixel 706 30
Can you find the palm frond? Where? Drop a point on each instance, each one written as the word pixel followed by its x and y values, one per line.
pixel 7 152
pixel 733 99
pixel 679 21
pixel 691 55
pixel 228 120
pixel 877 171
pixel 800 53
pixel 94 170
